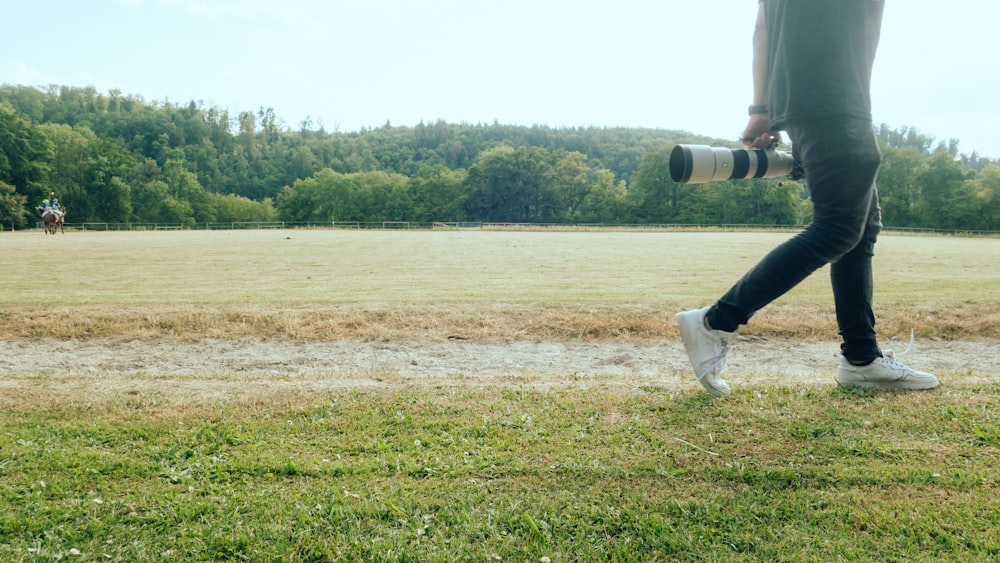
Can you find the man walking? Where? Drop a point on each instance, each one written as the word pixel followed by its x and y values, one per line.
pixel 812 69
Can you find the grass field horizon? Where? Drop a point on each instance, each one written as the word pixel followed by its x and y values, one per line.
pixel 383 284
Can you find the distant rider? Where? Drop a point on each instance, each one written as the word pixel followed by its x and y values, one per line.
pixel 51 207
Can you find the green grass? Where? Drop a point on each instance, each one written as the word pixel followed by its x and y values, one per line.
pixel 424 474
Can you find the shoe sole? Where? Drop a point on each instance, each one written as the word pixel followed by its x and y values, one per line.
pixel 890 385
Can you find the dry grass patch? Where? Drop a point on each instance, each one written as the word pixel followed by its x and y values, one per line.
pixel 518 321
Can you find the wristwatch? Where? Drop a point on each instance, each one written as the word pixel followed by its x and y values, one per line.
pixel 757 108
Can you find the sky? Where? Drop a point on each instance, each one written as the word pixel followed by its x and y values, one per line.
pixel 353 64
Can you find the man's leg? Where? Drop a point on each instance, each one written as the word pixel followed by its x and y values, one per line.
pixel 840 171
pixel 851 279
pixel 840 159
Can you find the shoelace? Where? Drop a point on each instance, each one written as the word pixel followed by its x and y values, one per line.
pixel 716 362
pixel 889 355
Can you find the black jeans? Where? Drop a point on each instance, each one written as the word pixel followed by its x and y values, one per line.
pixel 840 158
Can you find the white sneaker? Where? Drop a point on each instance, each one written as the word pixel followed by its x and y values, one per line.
pixel 707 350
pixel 884 373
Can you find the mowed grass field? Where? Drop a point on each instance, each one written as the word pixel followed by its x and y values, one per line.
pixel 586 470
pixel 337 284
pixel 349 266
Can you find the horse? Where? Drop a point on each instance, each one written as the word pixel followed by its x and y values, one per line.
pixel 55 221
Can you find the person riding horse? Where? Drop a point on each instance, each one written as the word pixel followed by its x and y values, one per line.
pixel 53 207
pixel 53 215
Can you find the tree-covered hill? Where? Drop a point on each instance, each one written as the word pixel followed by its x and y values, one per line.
pixel 118 158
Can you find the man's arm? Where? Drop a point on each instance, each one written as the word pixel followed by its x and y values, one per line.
pixel 760 57
pixel 757 133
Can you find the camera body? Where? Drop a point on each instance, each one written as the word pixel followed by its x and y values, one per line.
pixel 697 164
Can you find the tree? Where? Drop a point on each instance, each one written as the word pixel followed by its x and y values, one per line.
pixel 309 199
pixel 193 204
pixel 898 190
pixel 360 196
pixel 12 207
pixel 655 196
pixel 231 208
pixel 938 180
pixel 698 204
pixel 904 137
pixel 975 205
pixel 379 196
pixel 114 200
pixel 506 185
pixel 606 201
pixel 570 180
pixel 73 149
pixel 25 154
pixel 153 203
pixel 783 205
pixel 437 194
pixel 107 181
pixel 102 153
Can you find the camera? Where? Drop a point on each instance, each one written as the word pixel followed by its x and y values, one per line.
pixel 697 164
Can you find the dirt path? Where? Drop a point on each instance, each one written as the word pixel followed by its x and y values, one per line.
pixel 210 370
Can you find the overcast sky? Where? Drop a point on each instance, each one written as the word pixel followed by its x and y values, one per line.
pixel 349 64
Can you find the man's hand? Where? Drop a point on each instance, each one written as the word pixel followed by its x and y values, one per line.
pixel 758 134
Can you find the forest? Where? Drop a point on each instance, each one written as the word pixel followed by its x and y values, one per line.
pixel 118 159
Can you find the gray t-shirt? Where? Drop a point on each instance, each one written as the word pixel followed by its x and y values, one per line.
pixel 820 56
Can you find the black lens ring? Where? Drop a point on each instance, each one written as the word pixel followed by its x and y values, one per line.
pixel 761 164
pixel 741 164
